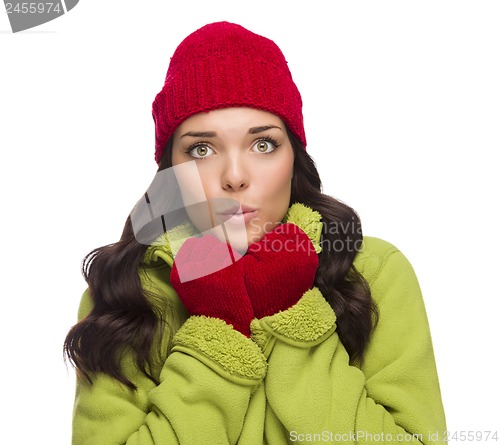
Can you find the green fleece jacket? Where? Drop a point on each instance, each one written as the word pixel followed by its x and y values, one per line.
pixel 291 382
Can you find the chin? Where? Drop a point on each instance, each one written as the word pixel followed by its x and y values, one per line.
pixel 240 240
pixel 255 237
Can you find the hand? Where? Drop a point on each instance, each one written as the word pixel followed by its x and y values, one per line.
pixel 209 283
pixel 279 269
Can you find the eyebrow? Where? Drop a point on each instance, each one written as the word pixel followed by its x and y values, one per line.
pixel 255 130
pixel 212 134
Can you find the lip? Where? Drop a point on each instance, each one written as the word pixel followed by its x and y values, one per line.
pixel 237 209
pixel 242 213
pixel 242 216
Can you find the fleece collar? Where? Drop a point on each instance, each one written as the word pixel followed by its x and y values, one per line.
pixel 168 244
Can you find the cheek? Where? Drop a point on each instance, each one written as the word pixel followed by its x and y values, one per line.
pixel 276 185
pixel 274 190
pixel 193 194
pixel 190 183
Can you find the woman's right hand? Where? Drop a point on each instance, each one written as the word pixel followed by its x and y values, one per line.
pixel 207 274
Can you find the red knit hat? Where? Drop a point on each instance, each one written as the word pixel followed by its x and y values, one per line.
pixel 225 65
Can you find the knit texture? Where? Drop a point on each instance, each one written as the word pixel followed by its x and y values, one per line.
pixel 208 277
pixel 224 65
pixel 279 269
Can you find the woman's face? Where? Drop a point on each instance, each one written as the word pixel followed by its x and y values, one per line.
pixel 244 160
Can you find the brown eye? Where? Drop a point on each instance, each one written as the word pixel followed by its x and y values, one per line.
pixel 200 151
pixel 264 146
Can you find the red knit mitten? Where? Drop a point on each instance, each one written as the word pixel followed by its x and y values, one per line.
pixel 279 269
pixel 215 286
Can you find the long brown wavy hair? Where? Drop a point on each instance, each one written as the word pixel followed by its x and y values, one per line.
pixel 124 316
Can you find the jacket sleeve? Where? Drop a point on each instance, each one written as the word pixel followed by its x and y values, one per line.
pixel 314 391
pixel 205 385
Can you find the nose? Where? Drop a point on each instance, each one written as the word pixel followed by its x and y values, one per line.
pixel 235 175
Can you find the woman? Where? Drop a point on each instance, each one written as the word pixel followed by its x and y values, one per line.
pixel 241 305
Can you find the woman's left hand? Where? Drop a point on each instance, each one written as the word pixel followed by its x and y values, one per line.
pixel 279 269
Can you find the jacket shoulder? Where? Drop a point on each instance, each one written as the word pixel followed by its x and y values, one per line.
pixel 373 256
pixel 86 304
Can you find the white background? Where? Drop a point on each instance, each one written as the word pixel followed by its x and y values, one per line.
pixel 402 115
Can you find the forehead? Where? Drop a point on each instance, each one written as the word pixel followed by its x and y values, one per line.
pixel 233 118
